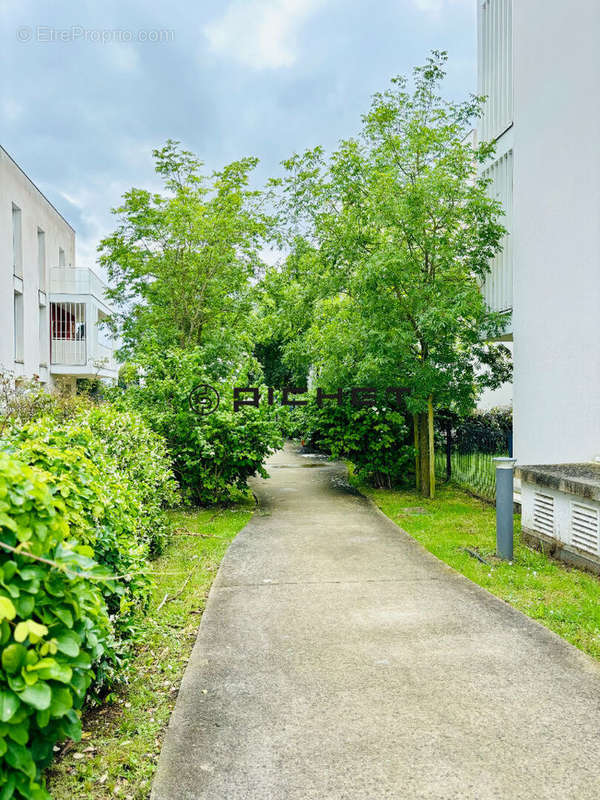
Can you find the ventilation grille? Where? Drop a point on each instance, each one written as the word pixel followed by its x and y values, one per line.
pixel 584 527
pixel 543 513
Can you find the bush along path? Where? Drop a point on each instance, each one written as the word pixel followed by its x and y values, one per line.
pixel 337 658
pixel 81 513
pixel 121 739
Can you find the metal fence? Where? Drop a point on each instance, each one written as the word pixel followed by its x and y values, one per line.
pixel 475 472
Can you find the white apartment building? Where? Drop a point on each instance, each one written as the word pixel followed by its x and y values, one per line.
pixel 539 66
pixel 50 309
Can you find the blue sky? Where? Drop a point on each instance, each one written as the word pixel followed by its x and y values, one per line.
pixel 230 78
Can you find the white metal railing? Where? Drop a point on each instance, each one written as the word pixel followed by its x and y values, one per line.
pixel 498 284
pixel 495 66
pixel 68 335
pixel 76 280
pixel 69 353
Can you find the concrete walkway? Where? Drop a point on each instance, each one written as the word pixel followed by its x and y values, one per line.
pixel 338 659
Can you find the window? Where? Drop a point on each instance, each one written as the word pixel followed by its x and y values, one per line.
pixel 41 243
pixel 44 334
pixel 18 323
pixel 17 245
pixel 61 257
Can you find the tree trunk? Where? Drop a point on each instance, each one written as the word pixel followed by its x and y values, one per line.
pixel 425 462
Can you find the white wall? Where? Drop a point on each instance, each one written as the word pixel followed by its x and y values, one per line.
pixel 556 316
pixel 36 212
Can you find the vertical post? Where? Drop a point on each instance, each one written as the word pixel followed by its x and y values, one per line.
pixel 431 447
pixel 448 449
pixel 417 453
pixel 504 507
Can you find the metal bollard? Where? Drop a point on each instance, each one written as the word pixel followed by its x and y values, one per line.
pixel 504 507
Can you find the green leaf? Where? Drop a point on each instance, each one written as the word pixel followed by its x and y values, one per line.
pixel 9 787
pixel 12 657
pixel 64 615
pixel 68 643
pixel 43 717
pixel 9 703
pixel 62 701
pixel 25 605
pixel 7 608
pixel 19 734
pixel 49 669
pixel 20 758
pixel 39 696
pixel 30 628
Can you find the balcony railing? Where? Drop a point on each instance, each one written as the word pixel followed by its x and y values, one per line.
pixel 76 280
pixel 69 352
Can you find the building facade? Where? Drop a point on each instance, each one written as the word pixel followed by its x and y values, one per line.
pixel 538 64
pixel 50 310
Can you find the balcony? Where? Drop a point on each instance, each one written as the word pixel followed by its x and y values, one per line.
pixel 79 346
pixel 77 281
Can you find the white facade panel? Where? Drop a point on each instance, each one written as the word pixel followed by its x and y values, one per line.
pixel 498 285
pixel 556 231
pixel 495 66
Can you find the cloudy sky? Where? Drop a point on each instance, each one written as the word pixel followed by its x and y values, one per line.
pixel 88 89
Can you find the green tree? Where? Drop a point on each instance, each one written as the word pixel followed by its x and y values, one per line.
pixel 181 262
pixel 394 233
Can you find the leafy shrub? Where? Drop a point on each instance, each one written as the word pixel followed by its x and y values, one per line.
pixel 28 399
pixel 54 626
pixel 374 439
pixel 141 455
pixel 103 511
pixel 212 454
pixel 480 432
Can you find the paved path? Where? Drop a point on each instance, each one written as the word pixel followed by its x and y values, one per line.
pixel 338 659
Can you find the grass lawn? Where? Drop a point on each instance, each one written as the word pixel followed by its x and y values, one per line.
pixel 121 741
pixel 562 598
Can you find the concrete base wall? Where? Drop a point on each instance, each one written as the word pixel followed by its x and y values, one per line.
pixel 563 552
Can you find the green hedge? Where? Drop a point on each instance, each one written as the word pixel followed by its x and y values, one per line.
pixel 375 439
pixel 87 496
pixel 214 454
pixel 54 626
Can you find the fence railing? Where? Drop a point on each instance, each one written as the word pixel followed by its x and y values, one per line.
pixel 475 472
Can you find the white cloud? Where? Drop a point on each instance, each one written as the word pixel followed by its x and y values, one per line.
pixel 435 8
pixel 11 109
pixel 122 56
pixel 260 33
